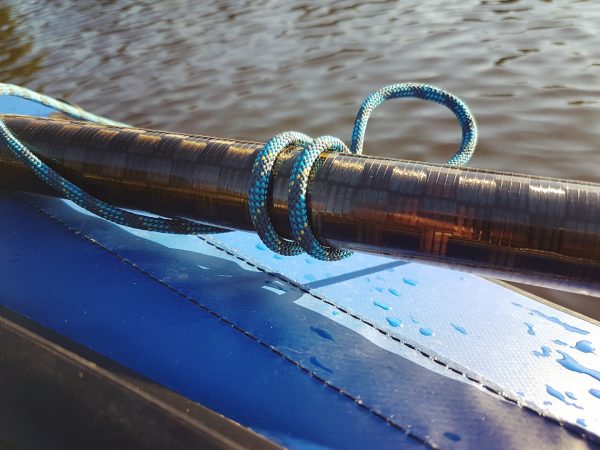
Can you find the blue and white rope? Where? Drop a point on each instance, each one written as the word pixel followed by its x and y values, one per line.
pixel 297 208
pixel 424 92
pixel 304 238
pixel 259 191
pixel 75 193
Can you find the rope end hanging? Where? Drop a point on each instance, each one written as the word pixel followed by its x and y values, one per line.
pixel 75 193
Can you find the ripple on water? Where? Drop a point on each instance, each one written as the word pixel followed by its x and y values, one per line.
pixel 159 74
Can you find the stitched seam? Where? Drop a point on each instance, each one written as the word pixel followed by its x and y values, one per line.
pixel 406 429
pixel 490 389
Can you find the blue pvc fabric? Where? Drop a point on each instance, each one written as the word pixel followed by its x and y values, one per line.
pixel 308 357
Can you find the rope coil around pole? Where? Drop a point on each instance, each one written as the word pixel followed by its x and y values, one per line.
pixel 305 240
pixel 299 179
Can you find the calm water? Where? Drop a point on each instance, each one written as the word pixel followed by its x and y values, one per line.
pixel 530 70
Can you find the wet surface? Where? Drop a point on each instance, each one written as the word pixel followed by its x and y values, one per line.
pixel 530 71
pixel 357 349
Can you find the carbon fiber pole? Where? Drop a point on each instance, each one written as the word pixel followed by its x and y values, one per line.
pixel 514 227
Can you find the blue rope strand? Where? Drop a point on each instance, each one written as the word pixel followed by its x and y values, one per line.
pixel 298 211
pixel 75 193
pixel 259 190
pixel 304 238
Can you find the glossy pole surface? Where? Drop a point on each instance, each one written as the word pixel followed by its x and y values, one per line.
pixel 515 227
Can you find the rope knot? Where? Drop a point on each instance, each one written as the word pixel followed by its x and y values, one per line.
pixel 304 237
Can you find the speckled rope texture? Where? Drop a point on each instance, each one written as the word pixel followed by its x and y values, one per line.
pixel 305 164
pixel 259 191
pixel 424 92
pixel 75 193
pixel 298 211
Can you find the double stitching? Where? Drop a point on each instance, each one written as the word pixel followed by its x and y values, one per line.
pixel 500 394
pixel 406 429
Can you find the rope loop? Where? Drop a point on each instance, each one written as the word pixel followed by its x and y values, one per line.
pixel 306 164
pixel 304 237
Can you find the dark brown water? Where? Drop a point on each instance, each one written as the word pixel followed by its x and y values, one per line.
pixel 529 69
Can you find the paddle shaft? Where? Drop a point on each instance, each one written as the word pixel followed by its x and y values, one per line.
pixel 515 227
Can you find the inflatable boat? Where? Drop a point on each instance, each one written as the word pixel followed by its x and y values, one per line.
pixel 113 337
